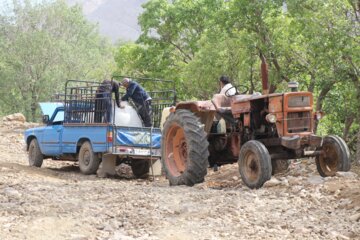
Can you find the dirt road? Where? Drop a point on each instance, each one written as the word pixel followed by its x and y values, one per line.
pixel 57 202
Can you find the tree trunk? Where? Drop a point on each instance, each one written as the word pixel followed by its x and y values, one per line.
pixel 348 122
pixel 357 156
pixel 33 104
pixel 319 103
pixel 312 83
pixel 252 86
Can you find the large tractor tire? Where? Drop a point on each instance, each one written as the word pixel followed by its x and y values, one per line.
pixel 254 164
pixel 184 149
pixel 35 156
pixel 88 160
pixel 140 168
pixel 335 156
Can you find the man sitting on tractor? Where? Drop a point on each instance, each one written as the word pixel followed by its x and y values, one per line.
pixel 226 87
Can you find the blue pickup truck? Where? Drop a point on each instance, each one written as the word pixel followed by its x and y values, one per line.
pixel 74 132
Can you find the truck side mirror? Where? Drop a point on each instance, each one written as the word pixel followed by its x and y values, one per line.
pixel 45 119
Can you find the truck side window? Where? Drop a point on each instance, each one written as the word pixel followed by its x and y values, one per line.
pixel 59 118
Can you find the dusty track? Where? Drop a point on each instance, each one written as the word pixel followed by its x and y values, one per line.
pixel 57 202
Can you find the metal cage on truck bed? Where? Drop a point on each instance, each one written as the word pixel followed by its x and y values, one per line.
pixel 162 93
pixel 80 102
pixel 84 104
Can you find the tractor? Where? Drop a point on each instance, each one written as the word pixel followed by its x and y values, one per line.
pixel 261 132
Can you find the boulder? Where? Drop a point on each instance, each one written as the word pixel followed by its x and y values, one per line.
pixel 16 117
pixel 348 175
pixel 272 182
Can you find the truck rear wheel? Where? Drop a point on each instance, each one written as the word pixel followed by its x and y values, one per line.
pixel 335 156
pixel 35 156
pixel 140 168
pixel 184 149
pixel 254 164
pixel 88 160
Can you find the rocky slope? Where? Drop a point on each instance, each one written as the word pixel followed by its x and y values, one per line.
pixel 57 202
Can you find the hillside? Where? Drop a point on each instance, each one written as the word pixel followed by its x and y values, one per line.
pixel 117 19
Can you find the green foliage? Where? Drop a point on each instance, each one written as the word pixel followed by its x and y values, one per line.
pixel 313 42
pixel 42 46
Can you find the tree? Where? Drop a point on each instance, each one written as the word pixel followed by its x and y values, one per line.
pixel 45 44
pixel 313 42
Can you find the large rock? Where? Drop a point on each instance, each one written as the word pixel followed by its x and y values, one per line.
pixel 315 180
pixel 272 182
pixel 349 175
pixel 355 217
pixel 16 117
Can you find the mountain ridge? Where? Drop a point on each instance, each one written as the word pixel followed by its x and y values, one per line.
pixel 117 19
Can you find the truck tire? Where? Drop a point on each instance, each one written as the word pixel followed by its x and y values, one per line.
pixel 140 168
pixel 279 166
pixel 35 156
pixel 335 157
pixel 88 160
pixel 254 164
pixel 184 149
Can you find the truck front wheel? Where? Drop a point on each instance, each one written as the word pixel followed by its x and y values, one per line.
pixel 335 156
pixel 88 161
pixel 184 149
pixel 254 164
pixel 35 156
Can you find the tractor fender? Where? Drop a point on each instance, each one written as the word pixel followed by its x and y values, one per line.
pixel 197 106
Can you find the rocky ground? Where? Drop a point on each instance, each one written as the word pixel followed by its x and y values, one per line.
pixel 57 202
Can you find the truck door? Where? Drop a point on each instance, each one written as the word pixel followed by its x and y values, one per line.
pixel 52 136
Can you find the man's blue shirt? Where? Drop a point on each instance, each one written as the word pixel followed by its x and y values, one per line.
pixel 136 93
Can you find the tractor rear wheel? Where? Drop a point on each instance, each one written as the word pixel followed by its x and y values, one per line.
pixel 335 156
pixel 254 164
pixel 184 149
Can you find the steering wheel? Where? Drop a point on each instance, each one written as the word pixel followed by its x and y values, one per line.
pixel 227 93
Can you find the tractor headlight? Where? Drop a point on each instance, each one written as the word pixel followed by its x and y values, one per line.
pixel 271 118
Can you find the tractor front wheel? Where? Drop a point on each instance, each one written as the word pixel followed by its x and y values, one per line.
pixel 254 164
pixel 335 156
pixel 184 149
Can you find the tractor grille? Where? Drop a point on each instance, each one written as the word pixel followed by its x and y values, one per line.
pixel 298 122
pixel 299 101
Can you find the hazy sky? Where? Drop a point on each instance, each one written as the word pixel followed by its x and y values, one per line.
pixel 117 19
pixel 4 4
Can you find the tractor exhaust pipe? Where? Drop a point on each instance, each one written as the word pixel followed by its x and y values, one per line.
pixel 264 75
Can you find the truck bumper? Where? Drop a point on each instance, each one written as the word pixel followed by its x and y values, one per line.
pixel 296 142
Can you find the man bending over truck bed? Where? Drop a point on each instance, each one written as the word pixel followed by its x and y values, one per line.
pixel 141 99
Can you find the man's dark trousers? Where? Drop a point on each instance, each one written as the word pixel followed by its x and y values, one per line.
pixel 145 112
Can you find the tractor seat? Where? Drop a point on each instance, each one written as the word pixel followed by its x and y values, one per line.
pixel 221 103
pixel 242 97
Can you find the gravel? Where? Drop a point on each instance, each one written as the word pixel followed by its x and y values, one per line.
pixel 57 202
